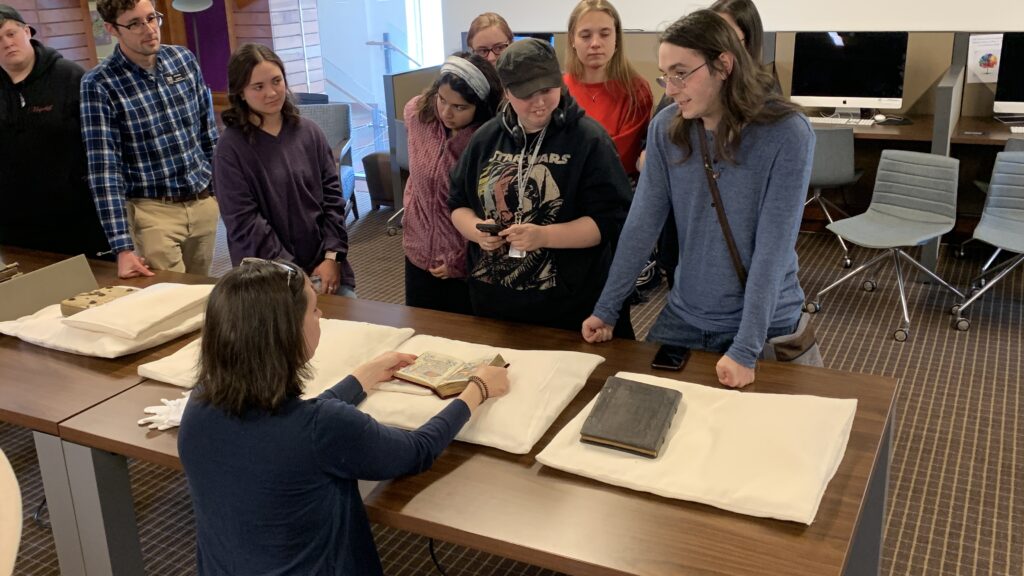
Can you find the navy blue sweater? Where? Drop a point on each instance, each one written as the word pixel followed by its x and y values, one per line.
pixel 277 494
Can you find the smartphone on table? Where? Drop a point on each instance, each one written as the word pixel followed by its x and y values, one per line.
pixel 671 357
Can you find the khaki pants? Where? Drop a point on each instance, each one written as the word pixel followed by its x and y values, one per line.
pixel 175 236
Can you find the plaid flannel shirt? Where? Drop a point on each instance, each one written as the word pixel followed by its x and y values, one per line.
pixel 147 134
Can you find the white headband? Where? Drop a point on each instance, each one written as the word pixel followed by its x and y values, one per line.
pixel 471 74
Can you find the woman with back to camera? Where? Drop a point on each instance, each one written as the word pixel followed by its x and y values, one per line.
pixel 541 196
pixel 273 476
pixel 603 82
pixel 759 150
pixel 440 123
pixel 276 178
pixel 488 36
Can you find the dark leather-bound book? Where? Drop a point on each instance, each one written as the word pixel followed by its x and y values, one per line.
pixel 631 416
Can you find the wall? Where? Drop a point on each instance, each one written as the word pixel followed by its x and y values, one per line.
pixel 778 15
pixel 292 29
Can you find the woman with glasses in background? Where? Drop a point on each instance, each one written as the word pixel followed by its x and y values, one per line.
pixel 440 123
pixel 489 35
pixel 603 82
pixel 726 125
pixel 276 177
pixel 273 476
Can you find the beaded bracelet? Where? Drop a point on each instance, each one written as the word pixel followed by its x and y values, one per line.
pixel 482 386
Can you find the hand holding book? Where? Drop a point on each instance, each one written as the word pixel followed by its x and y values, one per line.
pixel 381 368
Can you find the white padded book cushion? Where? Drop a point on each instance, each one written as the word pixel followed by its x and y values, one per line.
pixel 542 385
pixel 767 455
pixel 152 309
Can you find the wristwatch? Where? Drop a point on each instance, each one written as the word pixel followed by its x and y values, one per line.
pixel 331 255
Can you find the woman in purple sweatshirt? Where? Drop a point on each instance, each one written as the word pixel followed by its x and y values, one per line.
pixel 275 176
pixel 440 123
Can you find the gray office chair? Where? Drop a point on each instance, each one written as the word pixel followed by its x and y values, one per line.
pixel 1012 145
pixel 335 119
pixel 1001 225
pixel 914 202
pixel 833 168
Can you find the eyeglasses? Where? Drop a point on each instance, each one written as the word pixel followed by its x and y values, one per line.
pixel 483 51
pixel 249 261
pixel 678 80
pixel 140 26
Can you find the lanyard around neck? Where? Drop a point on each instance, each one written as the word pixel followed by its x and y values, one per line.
pixel 523 178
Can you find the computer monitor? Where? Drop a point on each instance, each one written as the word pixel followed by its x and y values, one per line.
pixel 1010 86
pixel 545 36
pixel 849 70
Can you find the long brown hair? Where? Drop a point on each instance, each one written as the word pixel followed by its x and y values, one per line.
pixel 426 110
pixel 253 354
pixel 746 16
pixel 747 94
pixel 620 73
pixel 484 21
pixel 240 68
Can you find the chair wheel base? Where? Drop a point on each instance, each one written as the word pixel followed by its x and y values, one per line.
pixel 954 309
pixel 901 334
pixel 847 263
pixel 812 307
pixel 392 231
pixel 961 324
pixel 869 285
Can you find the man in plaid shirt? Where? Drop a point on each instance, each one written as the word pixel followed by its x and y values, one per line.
pixel 149 132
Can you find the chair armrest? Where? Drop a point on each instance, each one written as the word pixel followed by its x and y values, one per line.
pixel 345 152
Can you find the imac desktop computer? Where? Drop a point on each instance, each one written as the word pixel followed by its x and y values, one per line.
pixel 1009 100
pixel 849 70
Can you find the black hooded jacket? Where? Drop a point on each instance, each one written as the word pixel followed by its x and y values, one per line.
pixel 577 173
pixel 45 202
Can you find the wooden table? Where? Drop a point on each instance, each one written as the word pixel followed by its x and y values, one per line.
pixel 993 132
pixel 39 388
pixel 510 505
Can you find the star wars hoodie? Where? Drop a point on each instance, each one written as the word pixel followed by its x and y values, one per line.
pixel 45 198
pixel 567 171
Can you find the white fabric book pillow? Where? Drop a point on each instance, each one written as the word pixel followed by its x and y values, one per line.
pixel 153 309
pixel 113 332
pixel 543 384
pixel 767 455
pixel 343 346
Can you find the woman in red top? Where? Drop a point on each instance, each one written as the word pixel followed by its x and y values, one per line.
pixel 440 123
pixel 602 80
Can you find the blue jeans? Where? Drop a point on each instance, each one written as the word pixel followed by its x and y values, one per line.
pixel 671 329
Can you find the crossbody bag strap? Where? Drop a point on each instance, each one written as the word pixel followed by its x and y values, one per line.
pixel 716 197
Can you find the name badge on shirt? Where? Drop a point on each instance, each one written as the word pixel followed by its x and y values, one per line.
pixel 173 79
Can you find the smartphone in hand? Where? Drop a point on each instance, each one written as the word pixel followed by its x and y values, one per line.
pixel 671 357
pixel 491 228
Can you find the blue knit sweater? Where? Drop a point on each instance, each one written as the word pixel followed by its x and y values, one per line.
pixel 762 193
pixel 277 494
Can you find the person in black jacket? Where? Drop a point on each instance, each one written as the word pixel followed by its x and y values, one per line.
pixel 45 202
pixel 549 179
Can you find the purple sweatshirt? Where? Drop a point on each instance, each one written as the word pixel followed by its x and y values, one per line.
pixel 280 196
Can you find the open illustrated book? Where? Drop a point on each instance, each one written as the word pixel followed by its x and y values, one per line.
pixel 444 375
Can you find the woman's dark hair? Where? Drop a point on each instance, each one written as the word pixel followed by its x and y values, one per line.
pixel 747 94
pixel 485 109
pixel 240 68
pixel 746 16
pixel 253 354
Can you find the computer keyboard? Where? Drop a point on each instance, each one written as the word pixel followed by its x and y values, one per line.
pixel 1017 129
pixel 843 121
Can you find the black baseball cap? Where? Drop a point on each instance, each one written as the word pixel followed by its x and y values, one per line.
pixel 527 66
pixel 9 13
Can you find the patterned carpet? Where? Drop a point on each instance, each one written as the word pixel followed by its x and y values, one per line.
pixel 957 474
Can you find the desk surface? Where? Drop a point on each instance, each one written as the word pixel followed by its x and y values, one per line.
pixel 919 131
pixel 510 505
pixel 41 387
pixel 993 132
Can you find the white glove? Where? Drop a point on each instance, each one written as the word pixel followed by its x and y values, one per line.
pixel 166 416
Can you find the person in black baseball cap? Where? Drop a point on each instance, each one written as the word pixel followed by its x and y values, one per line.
pixel 46 203
pixel 9 13
pixel 541 196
